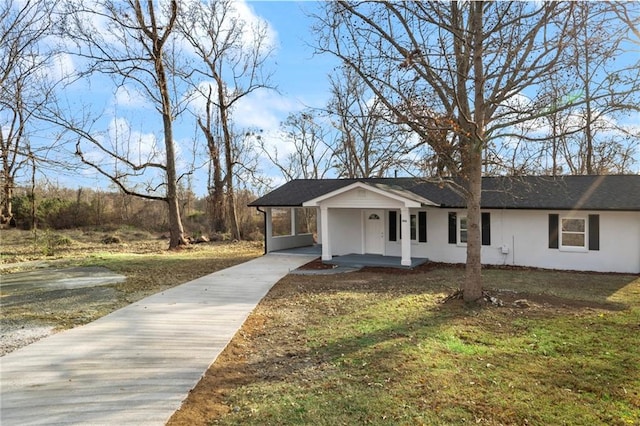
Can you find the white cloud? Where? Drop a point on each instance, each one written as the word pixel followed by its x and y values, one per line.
pixel 235 14
pixel 129 98
pixel 246 13
pixel 263 109
pixel 137 146
pixel 59 67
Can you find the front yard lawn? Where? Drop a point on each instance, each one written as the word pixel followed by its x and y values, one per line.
pixel 379 348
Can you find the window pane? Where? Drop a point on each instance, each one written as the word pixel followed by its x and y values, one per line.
pixel 463 229
pixel 573 225
pixel 281 219
pixel 574 240
pixel 413 226
pixel 306 220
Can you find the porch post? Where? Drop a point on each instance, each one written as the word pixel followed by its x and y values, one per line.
pixel 293 221
pixel 318 225
pixel 268 229
pixel 324 226
pixel 406 237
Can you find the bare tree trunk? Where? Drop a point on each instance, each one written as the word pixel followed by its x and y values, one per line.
pixel 228 154
pixel 176 229
pixel 231 196
pixel 7 196
pixel 588 130
pixel 472 289
pixel 216 188
pixel 34 222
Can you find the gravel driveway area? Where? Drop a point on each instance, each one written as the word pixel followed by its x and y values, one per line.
pixel 34 303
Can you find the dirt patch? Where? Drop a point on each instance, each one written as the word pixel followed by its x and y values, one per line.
pixel 36 311
pixel 315 265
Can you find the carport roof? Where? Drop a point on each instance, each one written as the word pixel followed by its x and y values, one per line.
pixel 611 192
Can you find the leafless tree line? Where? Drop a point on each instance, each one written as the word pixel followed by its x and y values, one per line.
pixel 428 89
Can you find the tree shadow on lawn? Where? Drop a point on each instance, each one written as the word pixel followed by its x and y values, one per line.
pixel 480 363
pixel 322 339
pixel 544 287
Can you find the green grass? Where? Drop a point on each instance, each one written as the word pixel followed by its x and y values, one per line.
pixel 382 350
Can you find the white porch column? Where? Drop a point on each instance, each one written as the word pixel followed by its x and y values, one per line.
pixel 324 226
pixel 318 225
pixel 268 228
pixel 293 221
pixel 406 237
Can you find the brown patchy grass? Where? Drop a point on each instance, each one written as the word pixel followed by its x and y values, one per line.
pixel 142 257
pixel 379 348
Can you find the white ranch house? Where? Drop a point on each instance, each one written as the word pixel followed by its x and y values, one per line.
pixel 584 223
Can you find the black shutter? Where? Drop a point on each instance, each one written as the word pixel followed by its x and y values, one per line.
pixel 486 229
pixel 453 228
pixel 553 231
pixel 393 226
pixel 422 227
pixel 594 232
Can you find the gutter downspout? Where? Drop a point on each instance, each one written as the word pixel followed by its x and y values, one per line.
pixel 264 227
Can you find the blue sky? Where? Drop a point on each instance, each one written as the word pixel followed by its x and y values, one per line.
pixel 300 76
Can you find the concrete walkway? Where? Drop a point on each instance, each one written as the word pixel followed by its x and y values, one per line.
pixel 136 365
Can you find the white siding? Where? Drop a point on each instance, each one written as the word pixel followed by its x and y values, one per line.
pixel 345 231
pixel 525 235
pixel 361 198
pixel 289 241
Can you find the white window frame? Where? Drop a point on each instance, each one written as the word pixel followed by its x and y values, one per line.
pixel 460 218
pixel 585 233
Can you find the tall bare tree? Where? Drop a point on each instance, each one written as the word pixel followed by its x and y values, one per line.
pixel 590 101
pixel 307 149
pixel 370 143
pixel 608 88
pixel 130 42
pixel 231 56
pixel 453 67
pixel 26 59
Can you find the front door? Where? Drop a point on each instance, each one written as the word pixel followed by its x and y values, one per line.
pixel 374 231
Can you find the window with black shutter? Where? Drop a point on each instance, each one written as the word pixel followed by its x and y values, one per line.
pixel 422 227
pixel 486 229
pixel 453 228
pixel 554 219
pixel 393 226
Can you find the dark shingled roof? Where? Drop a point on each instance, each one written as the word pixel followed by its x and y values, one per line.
pixel 613 192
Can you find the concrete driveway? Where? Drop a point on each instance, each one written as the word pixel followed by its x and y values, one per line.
pixel 136 365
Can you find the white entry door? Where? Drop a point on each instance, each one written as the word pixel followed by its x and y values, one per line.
pixel 374 231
